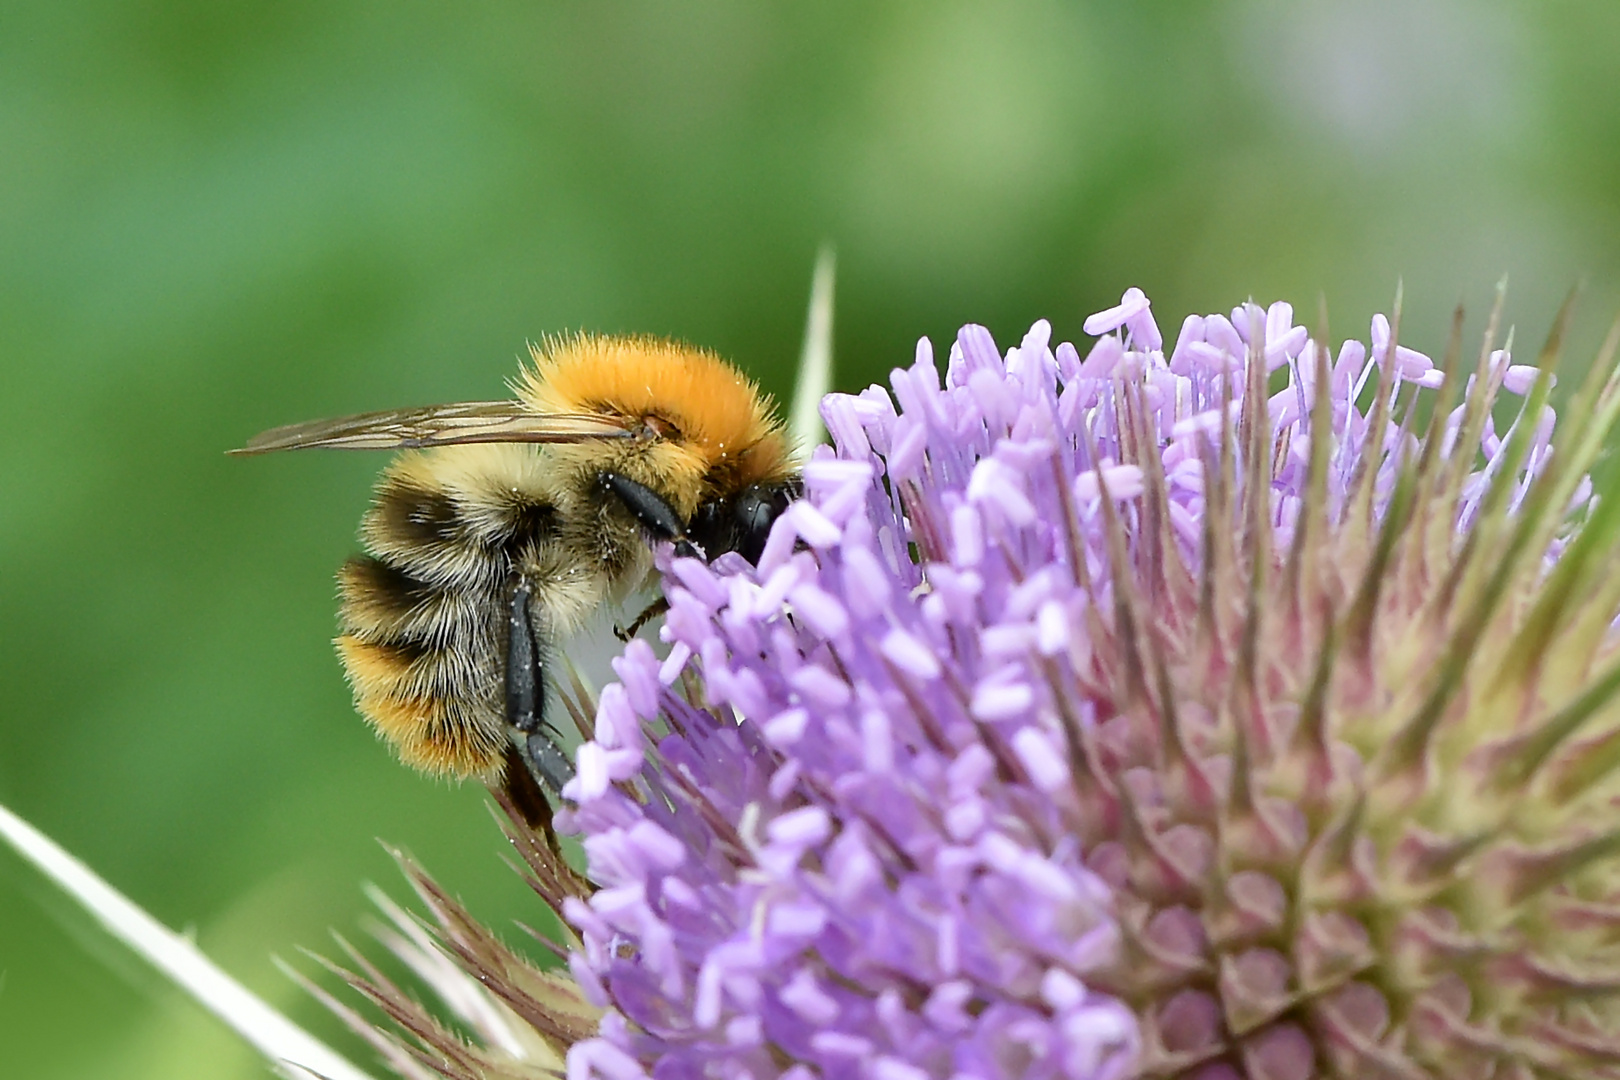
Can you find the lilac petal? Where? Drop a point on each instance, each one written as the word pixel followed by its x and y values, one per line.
pixel 767 600
pixel 888 1068
pixel 1285 347
pixel 1249 320
pixel 808 825
pixel 1192 333
pixel 905 462
pixel 591 775
pixel 616 721
pixel 1047 768
pixel 796 920
pixel 674 663
pixel 1132 304
pixel 1409 363
pixel 1279 320
pixel 838 412
pixel 967 536
pixel 637 670
pixel 1519 378
pixel 1103 359
pixel 1123 482
pixel 997 702
pixel 836 1044
pixel 1031 362
pixel 909 654
pixel 699 580
pixel 1219 332
pixel 830 474
pixel 994 484
pixel 820 610
pixel 1061 990
pixel 1068 362
pixel 877 742
pixel 661 850
pixel 811 524
pixel 804 996
pixel 867 584
pixel 1052 628
pixel 788 727
pixel 979 349
pixel 778 546
pixel 1145 330
pixel 821 687
pixel 598 1058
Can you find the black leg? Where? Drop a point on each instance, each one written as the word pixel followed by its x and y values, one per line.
pixel 526 694
pixel 525 682
pixel 652 510
pixel 526 794
pixel 651 612
pixel 547 761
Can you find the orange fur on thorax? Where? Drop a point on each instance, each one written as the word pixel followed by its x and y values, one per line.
pixel 718 411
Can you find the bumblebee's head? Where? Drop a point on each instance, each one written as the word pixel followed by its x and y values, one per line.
pixel 742 522
pixel 711 436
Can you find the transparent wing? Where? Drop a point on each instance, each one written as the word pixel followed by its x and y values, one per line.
pixel 438 425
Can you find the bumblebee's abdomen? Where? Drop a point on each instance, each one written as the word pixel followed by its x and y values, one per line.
pixel 423 614
pixel 422 663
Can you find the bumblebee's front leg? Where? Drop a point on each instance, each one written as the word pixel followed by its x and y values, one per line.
pixel 652 511
pixel 526 695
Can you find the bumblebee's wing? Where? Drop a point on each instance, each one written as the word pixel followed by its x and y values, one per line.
pixel 438 425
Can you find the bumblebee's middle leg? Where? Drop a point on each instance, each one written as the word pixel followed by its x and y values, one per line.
pixel 658 607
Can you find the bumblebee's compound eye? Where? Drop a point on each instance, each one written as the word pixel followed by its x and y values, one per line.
pixel 754 512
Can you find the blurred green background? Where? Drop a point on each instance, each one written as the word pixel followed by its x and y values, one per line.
pixel 216 217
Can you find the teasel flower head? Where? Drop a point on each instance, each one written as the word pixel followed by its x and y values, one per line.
pixel 1236 710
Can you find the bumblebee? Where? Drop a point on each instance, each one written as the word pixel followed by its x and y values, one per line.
pixel 502 526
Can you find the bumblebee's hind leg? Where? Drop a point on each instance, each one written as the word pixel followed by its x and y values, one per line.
pixel 524 796
pixel 526 697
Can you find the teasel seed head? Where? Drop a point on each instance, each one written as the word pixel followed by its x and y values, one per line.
pixel 1246 712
